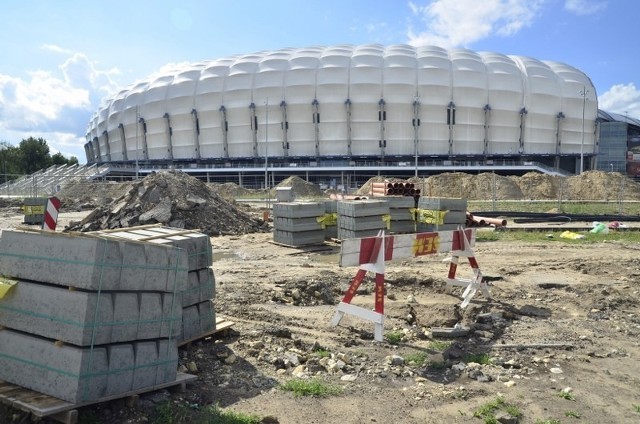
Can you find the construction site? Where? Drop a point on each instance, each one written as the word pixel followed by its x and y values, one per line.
pixel 406 300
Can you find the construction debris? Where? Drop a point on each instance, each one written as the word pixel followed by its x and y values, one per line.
pixel 175 199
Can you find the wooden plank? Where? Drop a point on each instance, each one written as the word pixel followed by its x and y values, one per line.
pixel 42 405
pixel 221 325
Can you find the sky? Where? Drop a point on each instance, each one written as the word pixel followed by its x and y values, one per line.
pixel 59 59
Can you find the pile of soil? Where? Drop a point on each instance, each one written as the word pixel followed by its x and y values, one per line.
pixel 231 190
pixel 175 199
pixel 300 188
pixel 590 185
pixel 80 193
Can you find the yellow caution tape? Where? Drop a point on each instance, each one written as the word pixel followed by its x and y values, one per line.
pixel 427 216
pixel 387 220
pixel 5 286
pixel 33 209
pixel 327 219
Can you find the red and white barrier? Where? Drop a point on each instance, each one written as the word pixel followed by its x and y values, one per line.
pixel 370 254
pixel 51 214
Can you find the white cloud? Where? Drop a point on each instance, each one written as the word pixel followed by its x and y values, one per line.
pixel 54 105
pixel 621 98
pixel 584 7
pixel 459 23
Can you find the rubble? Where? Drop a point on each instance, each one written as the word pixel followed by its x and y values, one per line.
pixel 175 199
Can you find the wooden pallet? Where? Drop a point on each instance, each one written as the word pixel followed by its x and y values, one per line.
pixel 222 325
pixel 41 405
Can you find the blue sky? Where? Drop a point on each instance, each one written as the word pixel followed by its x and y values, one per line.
pixel 58 59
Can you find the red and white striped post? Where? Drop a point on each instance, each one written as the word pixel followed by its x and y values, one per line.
pixel 51 214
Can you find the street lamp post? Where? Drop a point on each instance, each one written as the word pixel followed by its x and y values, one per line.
pixel 266 149
pixel 583 93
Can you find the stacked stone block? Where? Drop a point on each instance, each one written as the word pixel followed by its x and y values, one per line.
pixel 298 223
pixel 198 291
pixel 330 219
pixel 89 316
pixel 362 218
pixel 453 213
pixel 401 213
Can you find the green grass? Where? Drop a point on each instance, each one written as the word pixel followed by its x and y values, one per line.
pixel 541 236
pixel 322 353
pixel 311 387
pixel 175 413
pixel 566 395
pixel 636 408
pixel 417 358
pixel 548 421
pixel 487 411
pixel 394 337
pixel 439 345
pixel 479 358
pixel 572 414
pixel 436 365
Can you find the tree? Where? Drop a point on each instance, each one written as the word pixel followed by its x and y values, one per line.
pixel 34 155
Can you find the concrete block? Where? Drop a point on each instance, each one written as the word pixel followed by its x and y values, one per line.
pixel 296 224
pixel 298 238
pixel 455 217
pixel 331 206
pixel 442 204
pixel 121 362
pixel 427 228
pixel 207 314
pixel 144 373
pixel 361 223
pixel 400 201
pixel 357 208
pixel 346 234
pixel 70 315
pixel 403 227
pixel 200 287
pixel 89 262
pixel 197 245
pixel 401 214
pixel 167 365
pixel 331 232
pixel 65 372
pixel 190 322
pixel 298 209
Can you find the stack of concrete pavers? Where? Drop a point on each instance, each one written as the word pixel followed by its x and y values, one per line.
pixel 298 223
pixel 362 218
pixel 330 219
pixel 196 297
pixel 89 317
pixel 441 213
pixel 401 213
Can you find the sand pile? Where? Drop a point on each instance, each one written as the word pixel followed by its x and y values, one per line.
pixel 300 188
pixel 231 190
pixel 171 198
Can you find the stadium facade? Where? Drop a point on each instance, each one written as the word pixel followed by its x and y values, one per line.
pixel 357 110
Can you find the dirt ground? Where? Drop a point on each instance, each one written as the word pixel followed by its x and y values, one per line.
pixel 562 318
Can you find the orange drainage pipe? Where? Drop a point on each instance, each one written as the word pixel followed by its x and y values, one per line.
pixel 489 221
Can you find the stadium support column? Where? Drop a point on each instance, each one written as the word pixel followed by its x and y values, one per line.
pixel 254 128
pixel 87 152
pixel 487 116
pixel 224 125
pixel 124 141
pixel 382 116
pixel 556 162
pixel 523 116
pixel 107 148
pixel 96 147
pixel 169 130
pixel 145 149
pixel 316 125
pixel 451 121
pixel 196 132
pixel 284 125
pixel 416 130
pixel 347 104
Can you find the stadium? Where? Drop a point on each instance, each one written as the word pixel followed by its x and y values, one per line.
pixel 338 115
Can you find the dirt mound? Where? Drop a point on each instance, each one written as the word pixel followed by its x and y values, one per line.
pixel 172 198
pixel 230 190
pixel 79 193
pixel 300 188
